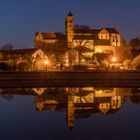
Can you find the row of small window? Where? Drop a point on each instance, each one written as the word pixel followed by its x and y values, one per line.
pixel 107 37
pixel 104 37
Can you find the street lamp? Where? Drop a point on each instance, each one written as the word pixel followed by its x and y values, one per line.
pixel 114 64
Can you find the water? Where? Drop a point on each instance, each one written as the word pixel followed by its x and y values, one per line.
pixel 87 113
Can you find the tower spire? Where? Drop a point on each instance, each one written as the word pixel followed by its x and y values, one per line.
pixel 70 14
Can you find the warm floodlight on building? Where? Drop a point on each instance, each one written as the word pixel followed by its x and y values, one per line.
pixel 114 59
pixel 46 62
pixel 83 60
pixel 67 62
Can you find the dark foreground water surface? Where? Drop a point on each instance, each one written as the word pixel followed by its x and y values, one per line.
pixel 87 113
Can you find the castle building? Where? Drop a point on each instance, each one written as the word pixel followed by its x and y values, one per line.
pixel 78 45
pixel 99 40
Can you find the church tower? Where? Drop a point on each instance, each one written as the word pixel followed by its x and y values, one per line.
pixel 69 28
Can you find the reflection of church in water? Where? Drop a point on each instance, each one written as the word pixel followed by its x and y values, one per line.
pixel 82 102
pixel 78 102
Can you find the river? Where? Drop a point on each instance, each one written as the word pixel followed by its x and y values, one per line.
pixel 70 113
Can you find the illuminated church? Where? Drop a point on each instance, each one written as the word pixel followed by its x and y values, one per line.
pixel 99 40
pixel 79 45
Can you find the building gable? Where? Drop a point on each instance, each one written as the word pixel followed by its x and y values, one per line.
pixel 40 53
pixel 112 30
pixel 103 34
pixel 103 31
pixel 39 36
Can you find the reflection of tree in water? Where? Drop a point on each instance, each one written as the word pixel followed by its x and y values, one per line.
pixel 7 97
pixel 57 94
pixel 135 98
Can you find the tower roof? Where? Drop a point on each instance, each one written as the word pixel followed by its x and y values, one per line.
pixel 70 14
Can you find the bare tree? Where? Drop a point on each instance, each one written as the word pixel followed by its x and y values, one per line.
pixel 7 46
pixel 77 26
pixel 135 42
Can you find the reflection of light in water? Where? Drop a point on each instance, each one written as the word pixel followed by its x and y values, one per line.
pixel 39 91
pixel 83 101
pixel 72 90
pixel 7 97
pixel 103 99
pixel 104 107
pixel 88 88
pixel 89 98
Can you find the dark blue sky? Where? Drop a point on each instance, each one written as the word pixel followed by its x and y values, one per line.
pixel 20 19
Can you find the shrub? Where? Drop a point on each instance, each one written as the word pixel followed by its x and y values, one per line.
pixel 79 67
pixel 127 64
pixel 4 66
pixel 136 62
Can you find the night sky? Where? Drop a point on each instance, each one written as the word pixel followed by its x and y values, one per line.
pixel 20 19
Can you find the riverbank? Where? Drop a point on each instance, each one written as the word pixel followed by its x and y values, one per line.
pixel 69 79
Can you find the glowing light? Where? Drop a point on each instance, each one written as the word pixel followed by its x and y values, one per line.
pixel 114 59
pixel 46 62
pixel 98 50
pixel 83 60
pixel 67 62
